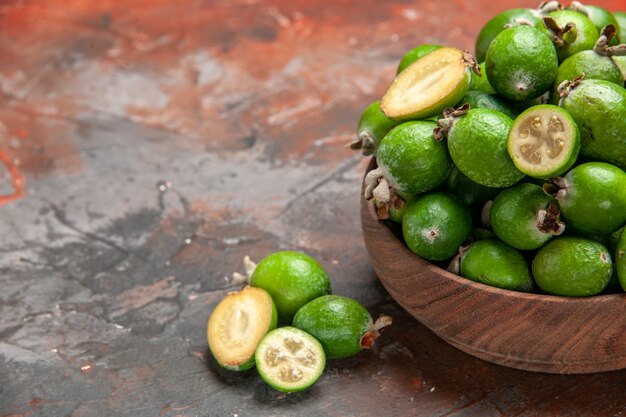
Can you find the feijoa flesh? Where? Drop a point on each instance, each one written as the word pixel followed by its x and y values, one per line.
pixel 289 359
pixel 237 325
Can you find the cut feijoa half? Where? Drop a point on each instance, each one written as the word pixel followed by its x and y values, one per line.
pixel 544 141
pixel 289 359
pixel 436 81
pixel 237 325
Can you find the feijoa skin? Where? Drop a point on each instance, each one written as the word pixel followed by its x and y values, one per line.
pixel 372 128
pixel 480 83
pixel 477 142
pixel 492 262
pixel 598 107
pixel 342 325
pixel 478 99
pixel 621 20
pixel 470 193
pixel 435 225
pixel 521 63
pixel 525 217
pixel 497 24
pixel 292 279
pixel 237 325
pixel 592 198
pixel 620 258
pixel 572 266
pixel 412 159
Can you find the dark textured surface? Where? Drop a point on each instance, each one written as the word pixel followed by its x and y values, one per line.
pixel 147 147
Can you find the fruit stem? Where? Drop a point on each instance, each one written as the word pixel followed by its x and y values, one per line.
pixel 470 61
pixel 249 267
pixel 579 7
pixel 548 220
pixel 567 86
pixel 377 187
pixel 485 214
pixel 445 123
pixel 560 36
pixel 549 7
pixel 374 330
pixel 602 45
pixel 364 141
pixel 455 264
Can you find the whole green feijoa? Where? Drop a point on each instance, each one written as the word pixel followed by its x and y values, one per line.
pixel 497 24
pixel 592 197
pixel 410 161
pixel 415 54
pixel 525 217
pixel 620 258
pixel 342 325
pixel 598 107
pixel 592 65
pixel 477 141
pixel 478 99
pixel 569 31
pixel 292 279
pixel 373 126
pixel 435 225
pixel 521 63
pixel 495 263
pixel 572 266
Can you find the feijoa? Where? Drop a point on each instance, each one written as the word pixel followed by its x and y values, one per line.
pixel 237 325
pixel 292 279
pixel 342 325
pixel 572 266
pixel 289 359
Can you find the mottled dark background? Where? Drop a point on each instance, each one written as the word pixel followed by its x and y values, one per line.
pixel 147 146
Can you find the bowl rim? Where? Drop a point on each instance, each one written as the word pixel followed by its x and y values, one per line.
pixel 400 246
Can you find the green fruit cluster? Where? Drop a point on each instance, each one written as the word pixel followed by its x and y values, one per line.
pixel 520 184
pixel 287 323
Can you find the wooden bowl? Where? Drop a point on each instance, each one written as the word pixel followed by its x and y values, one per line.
pixel 533 332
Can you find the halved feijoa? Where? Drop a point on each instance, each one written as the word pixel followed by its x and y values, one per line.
pixel 237 325
pixel 289 359
pixel 429 85
pixel 544 141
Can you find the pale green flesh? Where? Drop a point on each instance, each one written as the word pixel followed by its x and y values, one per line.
pixel 541 143
pixel 289 359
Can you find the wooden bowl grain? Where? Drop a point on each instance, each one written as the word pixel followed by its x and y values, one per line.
pixel 532 332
